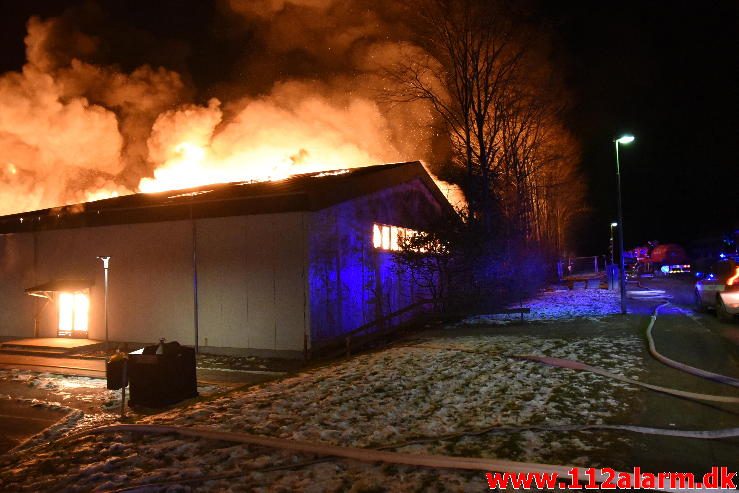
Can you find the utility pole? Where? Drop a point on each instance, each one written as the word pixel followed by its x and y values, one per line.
pixel 626 139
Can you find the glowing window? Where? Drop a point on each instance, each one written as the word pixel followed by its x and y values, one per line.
pixel 394 246
pixel 73 313
pixel 376 236
pixel 385 237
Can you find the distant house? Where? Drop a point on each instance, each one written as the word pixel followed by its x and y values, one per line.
pixel 265 268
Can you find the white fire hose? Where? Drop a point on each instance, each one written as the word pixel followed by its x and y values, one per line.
pixel 577 365
pixel 377 455
pixel 682 366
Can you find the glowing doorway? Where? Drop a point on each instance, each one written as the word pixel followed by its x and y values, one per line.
pixel 74 311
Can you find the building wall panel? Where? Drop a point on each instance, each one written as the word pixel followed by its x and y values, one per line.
pixel 290 272
pixel 16 272
pixel 251 287
pixel 260 284
pixel 222 282
pixel 251 280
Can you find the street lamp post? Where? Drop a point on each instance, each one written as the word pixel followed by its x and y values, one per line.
pixel 624 139
pixel 105 261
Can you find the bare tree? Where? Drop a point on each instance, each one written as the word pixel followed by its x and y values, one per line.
pixel 471 57
pixel 488 79
pixel 444 261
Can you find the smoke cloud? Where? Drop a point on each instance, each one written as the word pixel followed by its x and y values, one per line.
pixel 300 96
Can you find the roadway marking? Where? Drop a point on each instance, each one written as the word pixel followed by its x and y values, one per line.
pixel 692 316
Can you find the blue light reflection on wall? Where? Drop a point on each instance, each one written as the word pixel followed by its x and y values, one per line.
pixel 350 282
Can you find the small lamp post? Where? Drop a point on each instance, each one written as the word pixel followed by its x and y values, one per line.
pixel 105 261
pixel 624 139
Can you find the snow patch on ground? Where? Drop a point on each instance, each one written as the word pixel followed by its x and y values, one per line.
pixel 433 387
pixel 66 388
pixel 559 305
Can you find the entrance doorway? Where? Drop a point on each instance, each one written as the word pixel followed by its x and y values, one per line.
pixel 72 300
pixel 74 313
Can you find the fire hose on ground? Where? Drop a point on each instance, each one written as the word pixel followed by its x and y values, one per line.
pixel 452 462
pixel 380 455
pixel 682 366
pixel 577 365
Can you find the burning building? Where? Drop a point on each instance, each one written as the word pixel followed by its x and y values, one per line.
pixel 278 267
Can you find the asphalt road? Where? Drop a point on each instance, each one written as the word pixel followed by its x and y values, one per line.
pixel 700 340
pixel 20 420
pixel 696 335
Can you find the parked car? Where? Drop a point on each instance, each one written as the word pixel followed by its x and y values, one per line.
pixel 719 290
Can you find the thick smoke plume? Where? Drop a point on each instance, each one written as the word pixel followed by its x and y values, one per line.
pixel 301 96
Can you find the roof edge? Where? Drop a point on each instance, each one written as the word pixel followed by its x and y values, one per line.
pixel 304 192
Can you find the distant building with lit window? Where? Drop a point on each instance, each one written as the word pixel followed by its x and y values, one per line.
pixel 278 267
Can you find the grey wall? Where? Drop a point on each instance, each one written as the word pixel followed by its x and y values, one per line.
pixel 16 272
pixel 251 280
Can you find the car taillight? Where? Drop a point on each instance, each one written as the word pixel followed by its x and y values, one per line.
pixel 732 283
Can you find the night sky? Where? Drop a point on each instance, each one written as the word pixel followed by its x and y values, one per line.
pixel 665 71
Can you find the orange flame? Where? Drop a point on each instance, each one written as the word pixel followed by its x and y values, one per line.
pixel 732 280
pixel 294 132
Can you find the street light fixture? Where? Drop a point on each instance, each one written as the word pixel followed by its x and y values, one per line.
pixel 624 139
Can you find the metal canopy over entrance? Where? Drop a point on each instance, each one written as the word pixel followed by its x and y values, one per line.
pixel 72 297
